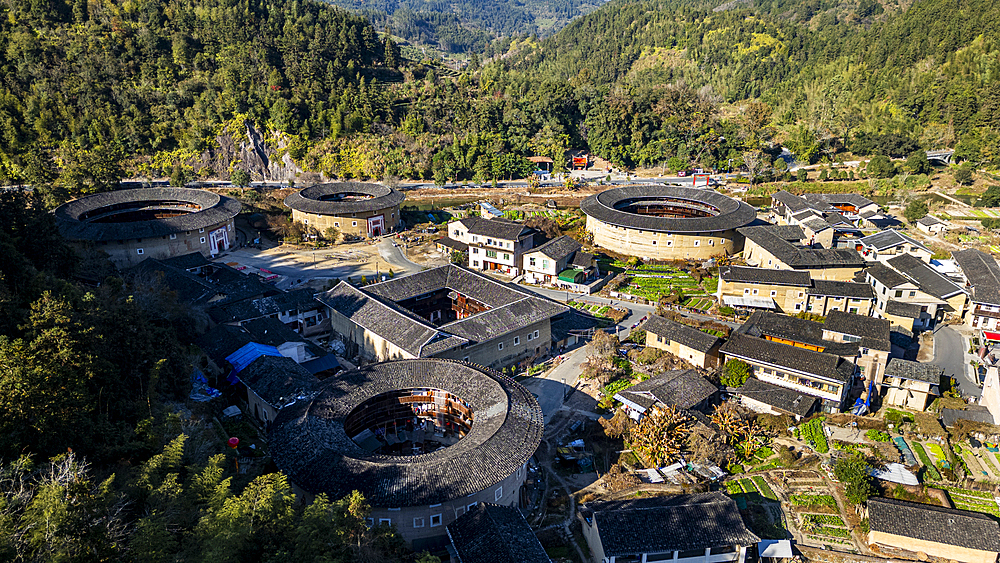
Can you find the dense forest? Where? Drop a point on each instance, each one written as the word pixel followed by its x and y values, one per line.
pixel 96 91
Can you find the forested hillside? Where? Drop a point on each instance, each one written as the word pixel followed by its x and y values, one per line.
pixel 95 91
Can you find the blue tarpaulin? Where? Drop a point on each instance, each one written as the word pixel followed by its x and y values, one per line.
pixel 247 354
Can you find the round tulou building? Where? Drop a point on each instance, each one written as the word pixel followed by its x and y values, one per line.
pixel 666 222
pixel 132 225
pixel 354 208
pixel 423 440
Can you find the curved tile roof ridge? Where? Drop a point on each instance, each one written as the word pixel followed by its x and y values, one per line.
pixel 213 209
pixel 308 200
pixel 732 213
pixel 309 443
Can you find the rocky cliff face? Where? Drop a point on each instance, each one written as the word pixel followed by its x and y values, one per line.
pixel 254 154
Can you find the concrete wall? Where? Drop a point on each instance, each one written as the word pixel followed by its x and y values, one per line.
pixel 823 304
pixel 408 520
pixel 963 554
pixel 372 347
pixel 790 299
pixel 696 357
pixel 346 224
pixel 126 253
pixel 490 354
pixel 664 246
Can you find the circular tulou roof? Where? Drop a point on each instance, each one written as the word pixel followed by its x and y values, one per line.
pixel 213 209
pixel 308 441
pixel 731 213
pixel 310 200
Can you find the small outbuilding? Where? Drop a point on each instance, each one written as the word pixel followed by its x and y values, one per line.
pixel 947 533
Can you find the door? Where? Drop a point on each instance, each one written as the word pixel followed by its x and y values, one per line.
pixel 376 225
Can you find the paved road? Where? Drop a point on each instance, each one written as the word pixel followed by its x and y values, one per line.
pixel 393 254
pixel 551 389
pixel 950 354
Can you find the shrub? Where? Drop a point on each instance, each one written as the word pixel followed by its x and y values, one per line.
pixel 853 472
pixel 812 432
pixel 877 435
pixel 735 373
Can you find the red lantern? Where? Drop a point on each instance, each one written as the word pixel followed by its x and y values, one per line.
pixel 233 442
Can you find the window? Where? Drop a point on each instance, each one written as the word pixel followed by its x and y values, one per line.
pixel 203 240
pixel 654 242
pixel 913 294
pixel 354 223
pixel 370 522
pixel 798 306
pixel 337 224
pixel 670 243
pixel 202 230
pixel 306 221
pixel 517 340
pixel 138 250
pixel 545 263
pixel 536 334
pixel 173 236
pixel 506 256
pixel 499 494
pixel 418 522
pixel 711 242
pixel 774 293
pixel 499 345
pixel 470 507
pixel 491 253
pixel 531 261
pixel 435 520
pixel 475 263
pixel 899 293
pixel 475 250
pixel 385 521
pixel 697 243
pixel 465 359
pixel 755 292
pixel 746 291
pixel 530 338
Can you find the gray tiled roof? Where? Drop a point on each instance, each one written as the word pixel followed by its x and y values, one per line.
pixel 929 280
pixel 296 300
pixel 930 220
pixel 490 533
pixel 833 288
pixel 73 222
pixel 857 200
pixel 971 530
pixel 776 241
pixel 791 201
pixel 903 309
pixel 399 327
pixel 874 333
pixel 558 248
pixel 886 275
pixel 496 228
pixel 187 261
pixel 277 380
pixel 787 400
pixel 582 259
pixel 452 244
pixel 974 413
pixel 677 332
pixel 766 323
pixel 816 224
pixel 983 274
pixel 221 341
pixel 272 332
pixel 681 388
pixel 767 276
pixel 821 364
pixel 374 307
pixel 675 523
pixel 188 287
pixel 309 444
pixel 314 198
pixel 905 369
pixel 730 212
pixel 888 239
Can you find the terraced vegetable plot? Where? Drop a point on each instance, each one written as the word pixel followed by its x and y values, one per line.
pixel 813 500
pixel 755 485
pixel 975 501
pixel 700 304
